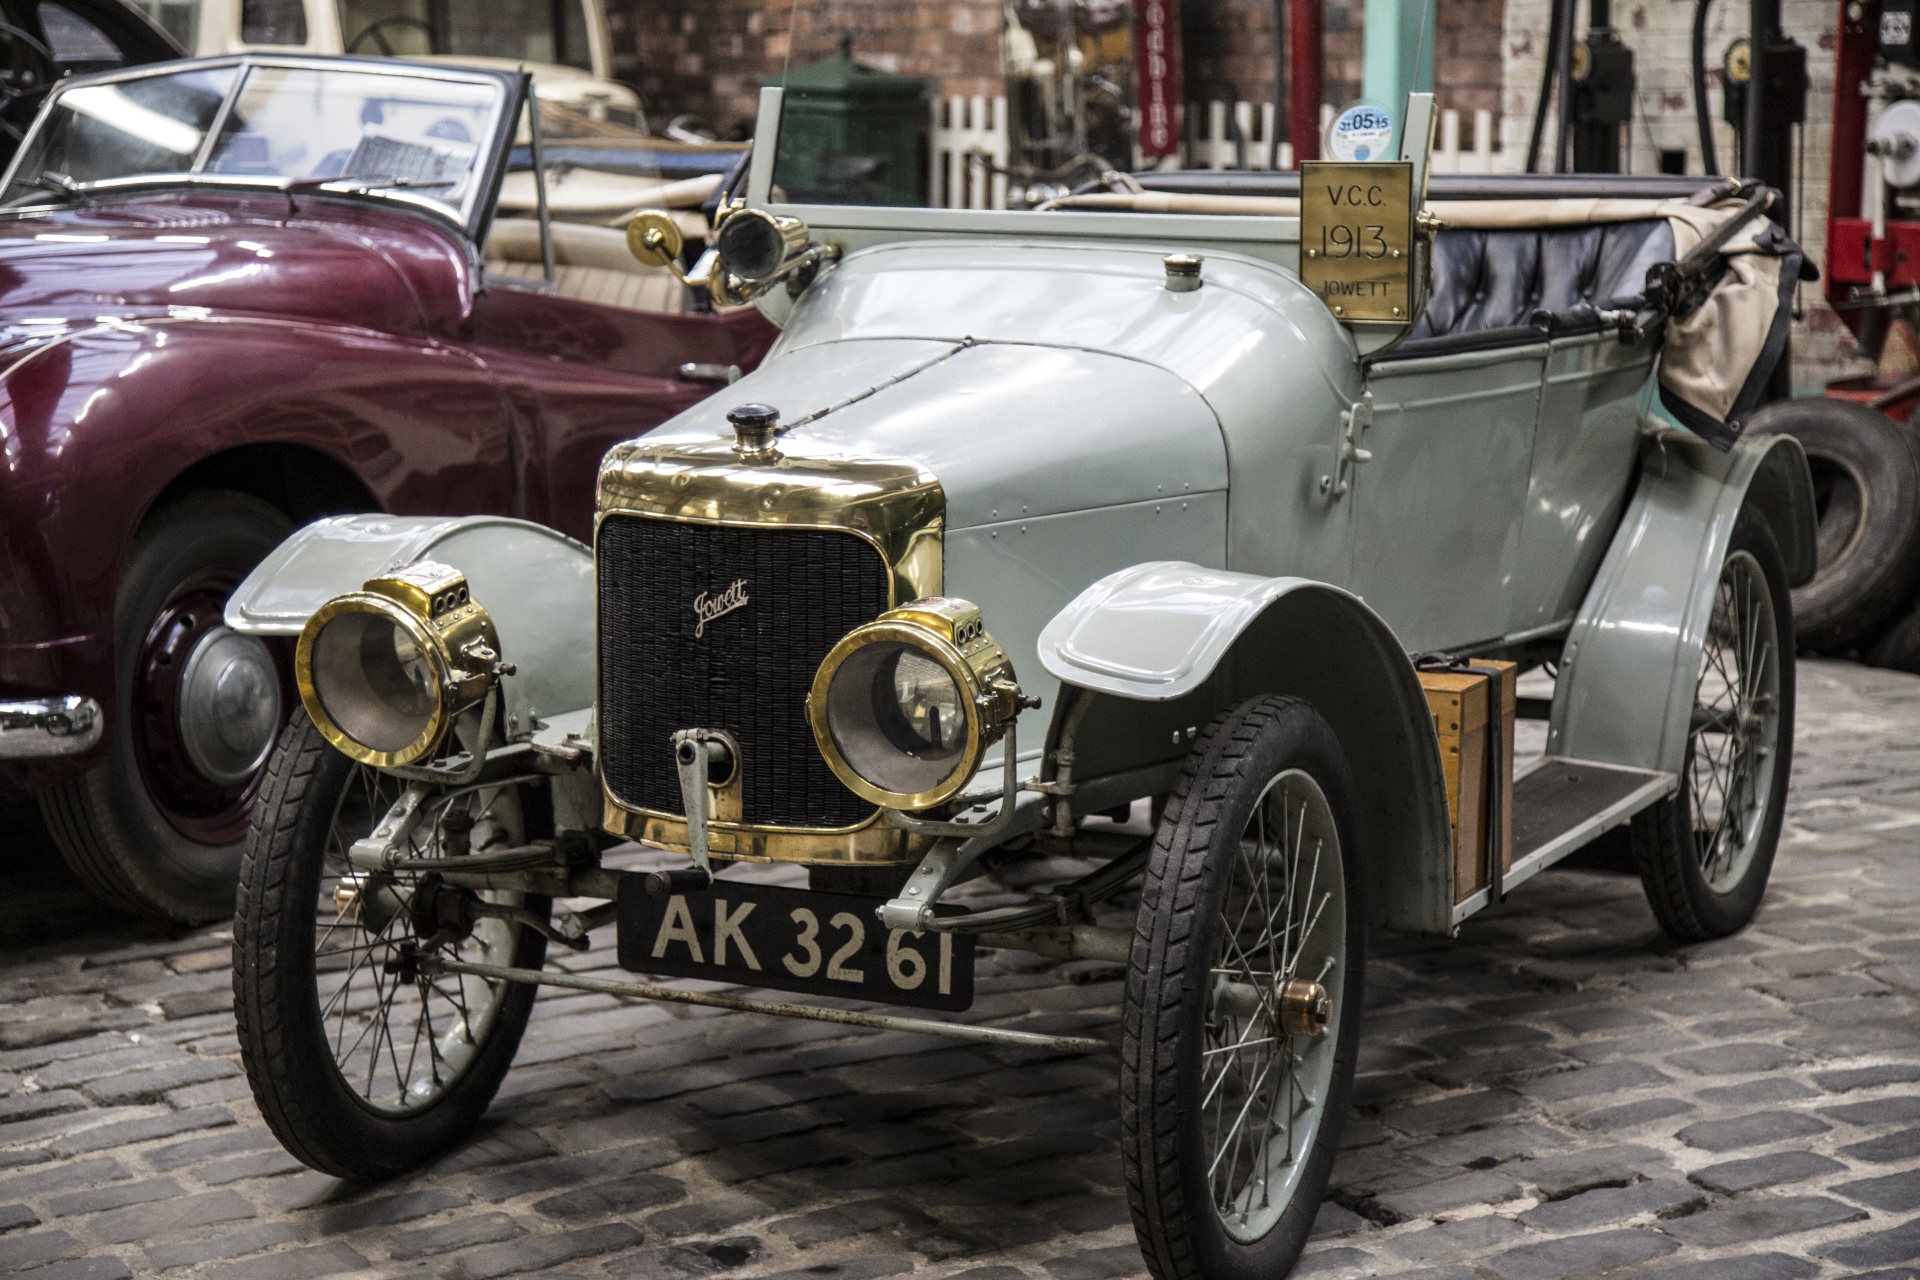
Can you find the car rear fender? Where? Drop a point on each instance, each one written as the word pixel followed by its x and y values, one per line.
pixel 1163 647
pixel 537 584
pixel 1626 681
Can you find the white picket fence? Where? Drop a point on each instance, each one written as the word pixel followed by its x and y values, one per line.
pixel 969 153
pixel 970 146
pixel 1217 149
pixel 1447 155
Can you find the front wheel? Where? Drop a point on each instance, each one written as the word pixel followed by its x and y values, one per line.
pixel 1704 855
pixel 1242 1017
pixel 156 827
pixel 364 1062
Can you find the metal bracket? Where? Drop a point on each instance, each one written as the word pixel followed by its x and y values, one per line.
pixel 938 872
pixel 380 850
pixel 695 751
pixel 1354 421
pixel 1010 788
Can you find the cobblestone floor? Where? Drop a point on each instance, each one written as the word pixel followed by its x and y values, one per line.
pixel 1558 1093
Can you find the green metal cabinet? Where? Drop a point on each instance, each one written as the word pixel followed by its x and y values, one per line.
pixel 853 134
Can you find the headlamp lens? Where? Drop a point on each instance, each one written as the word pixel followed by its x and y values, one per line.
pixel 897 717
pixel 373 680
pixel 751 245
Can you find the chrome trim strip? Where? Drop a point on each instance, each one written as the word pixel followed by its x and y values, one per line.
pixel 39 728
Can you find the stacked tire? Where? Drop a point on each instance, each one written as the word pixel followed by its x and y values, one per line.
pixel 1864 599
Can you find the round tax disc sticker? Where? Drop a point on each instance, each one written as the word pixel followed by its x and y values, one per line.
pixel 1361 132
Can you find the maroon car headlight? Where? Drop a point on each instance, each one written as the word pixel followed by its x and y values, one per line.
pixel 382 671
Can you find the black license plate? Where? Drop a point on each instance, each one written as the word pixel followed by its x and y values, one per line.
pixel 826 944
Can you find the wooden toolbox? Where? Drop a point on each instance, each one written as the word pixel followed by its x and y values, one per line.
pixel 1458 701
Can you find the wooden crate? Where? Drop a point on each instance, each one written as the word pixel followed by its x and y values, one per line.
pixel 1458 701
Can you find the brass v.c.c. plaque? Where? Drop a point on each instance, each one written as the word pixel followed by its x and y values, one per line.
pixel 1356 238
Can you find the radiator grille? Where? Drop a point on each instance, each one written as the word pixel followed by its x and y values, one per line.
pixel 747 673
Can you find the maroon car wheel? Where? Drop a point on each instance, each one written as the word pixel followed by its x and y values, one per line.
pixel 157 826
pixel 207 703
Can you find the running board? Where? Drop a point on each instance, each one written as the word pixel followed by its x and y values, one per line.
pixel 1561 804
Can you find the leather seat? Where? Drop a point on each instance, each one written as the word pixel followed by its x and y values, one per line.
pixel 1488 280
pixel 590 264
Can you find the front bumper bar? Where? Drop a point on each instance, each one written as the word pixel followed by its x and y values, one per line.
pixel 43 728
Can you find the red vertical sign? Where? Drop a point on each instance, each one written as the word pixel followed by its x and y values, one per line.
pixel 1156 60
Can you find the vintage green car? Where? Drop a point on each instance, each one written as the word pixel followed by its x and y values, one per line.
pixel 1176 499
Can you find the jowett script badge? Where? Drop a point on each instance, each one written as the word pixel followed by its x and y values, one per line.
pixel 1356 238
pixel 709 605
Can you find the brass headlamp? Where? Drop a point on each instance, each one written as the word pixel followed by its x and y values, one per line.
pixel 904 707
pixel 753 251
pixel 383 670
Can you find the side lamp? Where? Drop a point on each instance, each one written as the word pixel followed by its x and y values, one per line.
pixel 753 251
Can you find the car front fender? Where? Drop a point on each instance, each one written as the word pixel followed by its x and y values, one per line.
pixel 1626 683
pixel 1165 646
pixel 537 584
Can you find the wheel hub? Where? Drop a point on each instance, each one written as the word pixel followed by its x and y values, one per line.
pixel 208 705
pixel 229 706
pixel 1305 1007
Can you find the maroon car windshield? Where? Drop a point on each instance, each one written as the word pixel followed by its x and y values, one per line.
pixel 421 136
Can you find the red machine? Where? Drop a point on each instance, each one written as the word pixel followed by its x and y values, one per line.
pixel 1873 227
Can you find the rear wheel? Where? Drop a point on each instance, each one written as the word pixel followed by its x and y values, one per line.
pixel 1704 855
pixel 1242 1017
pixel 363 1061
pixel 156 826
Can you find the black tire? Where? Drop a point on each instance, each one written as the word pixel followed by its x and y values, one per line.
pixel 1247 760
pixel 320 1116
pixel 138 839
pixel 1679 843
pixel 1866 479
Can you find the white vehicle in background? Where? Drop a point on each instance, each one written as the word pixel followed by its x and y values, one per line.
pixel 564 43
pixel 603 163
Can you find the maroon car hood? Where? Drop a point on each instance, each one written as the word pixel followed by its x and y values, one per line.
pixel 354 264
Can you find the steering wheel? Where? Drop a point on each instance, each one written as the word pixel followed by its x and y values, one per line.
pixel 27 71
pixel 373 30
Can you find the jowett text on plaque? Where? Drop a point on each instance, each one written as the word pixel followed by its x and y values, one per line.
pixel 1356 238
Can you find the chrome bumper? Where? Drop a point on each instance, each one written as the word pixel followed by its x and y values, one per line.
pixel 38 728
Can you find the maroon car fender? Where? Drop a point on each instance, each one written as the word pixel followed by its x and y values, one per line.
pixel 95 425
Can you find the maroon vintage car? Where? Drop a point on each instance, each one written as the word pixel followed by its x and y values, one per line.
pixel 237 294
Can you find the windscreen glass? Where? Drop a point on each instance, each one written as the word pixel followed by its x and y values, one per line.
pixel 154 124
pixel 415 137
pixel 423 136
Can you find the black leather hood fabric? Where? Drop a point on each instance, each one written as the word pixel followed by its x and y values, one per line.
pixel 1488 280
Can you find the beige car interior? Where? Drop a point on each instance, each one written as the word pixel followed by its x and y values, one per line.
pixel 590 264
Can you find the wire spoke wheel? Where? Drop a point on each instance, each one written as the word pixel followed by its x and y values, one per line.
pixel 1705 853
pixel 1282 920
pixel 364 1060
pixel 1736 723
pixel 400 1038
pixel 1243 998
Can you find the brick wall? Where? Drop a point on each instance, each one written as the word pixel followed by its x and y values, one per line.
pixel 708 57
